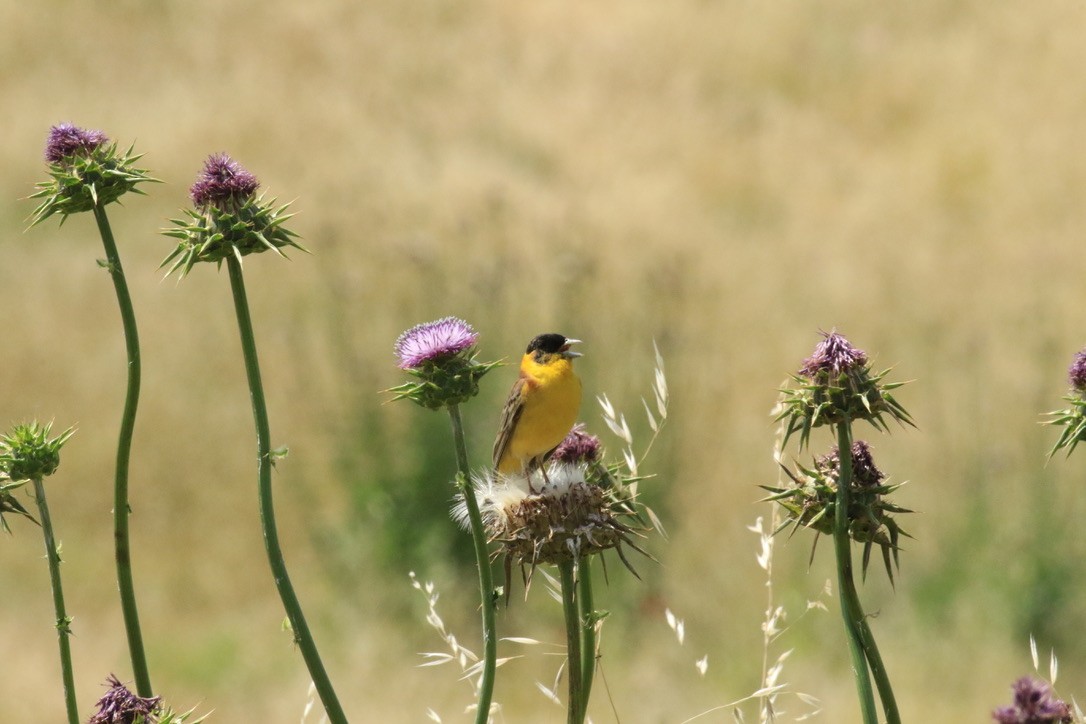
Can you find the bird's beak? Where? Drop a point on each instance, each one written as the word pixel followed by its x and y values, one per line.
pixel 567 352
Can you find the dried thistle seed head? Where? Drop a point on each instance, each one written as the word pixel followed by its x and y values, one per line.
pixel 86 171
pixel 27 452
pixel 549 519
pixel 1034 703
pixel 228 220
pixel 835 385
pixel 441 356
pixel 578 447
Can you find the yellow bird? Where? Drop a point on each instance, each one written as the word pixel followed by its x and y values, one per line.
pixel 542 405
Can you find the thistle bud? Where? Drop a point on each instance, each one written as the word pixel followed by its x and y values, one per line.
pixel 228 219
pixel 27 453
pixel 86 171
pixel 441 356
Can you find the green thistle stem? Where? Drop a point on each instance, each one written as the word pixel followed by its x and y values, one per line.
pixel 588 630
pixel 121 510
pixel 63 627
pixel 846 585
pixel 302 637
pixel 878 673
pixel 573 642
pixel 482 561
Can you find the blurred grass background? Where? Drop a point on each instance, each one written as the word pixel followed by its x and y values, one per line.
pixel 723 177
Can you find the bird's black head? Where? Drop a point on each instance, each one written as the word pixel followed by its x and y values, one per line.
pixel 547 343
pixel 545 346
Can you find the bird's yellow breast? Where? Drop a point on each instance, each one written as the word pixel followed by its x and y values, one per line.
pixel 551 399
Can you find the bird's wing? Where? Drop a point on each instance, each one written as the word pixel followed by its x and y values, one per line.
pixel 514 406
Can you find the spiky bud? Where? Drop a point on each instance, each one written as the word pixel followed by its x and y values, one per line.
pixel 27 452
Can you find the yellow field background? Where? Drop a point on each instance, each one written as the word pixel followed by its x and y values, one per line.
pixel 725 178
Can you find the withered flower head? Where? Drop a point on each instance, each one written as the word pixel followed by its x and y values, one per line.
pixel 1034 703
pixel 121 706
pixel 578 447
pixel 811 502
pixel 834 354
pixel 835 385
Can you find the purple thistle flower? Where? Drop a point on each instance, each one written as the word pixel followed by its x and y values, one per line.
pixel 68 140
pixel 833 354
pixel 222 179
pixel 578 447
pixel 1034 703
pixel 434 341
pixel 121 706
pixel 1077 371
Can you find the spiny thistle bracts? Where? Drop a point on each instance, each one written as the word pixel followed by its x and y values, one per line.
pixel 1072 419
pixel 8 503
pixel 27 452
pixel 228 219
pixel 441 356
pixel 86 171
pixel 835 385
pixel 811 502
pixel 550 518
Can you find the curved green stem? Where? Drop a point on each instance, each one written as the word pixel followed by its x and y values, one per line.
pixel 850 602
pixel 63 622
pixel 573 642
pixel 121 509
pixel 588 629
pixel 878 673
pixel 482 561
pixel 302 637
